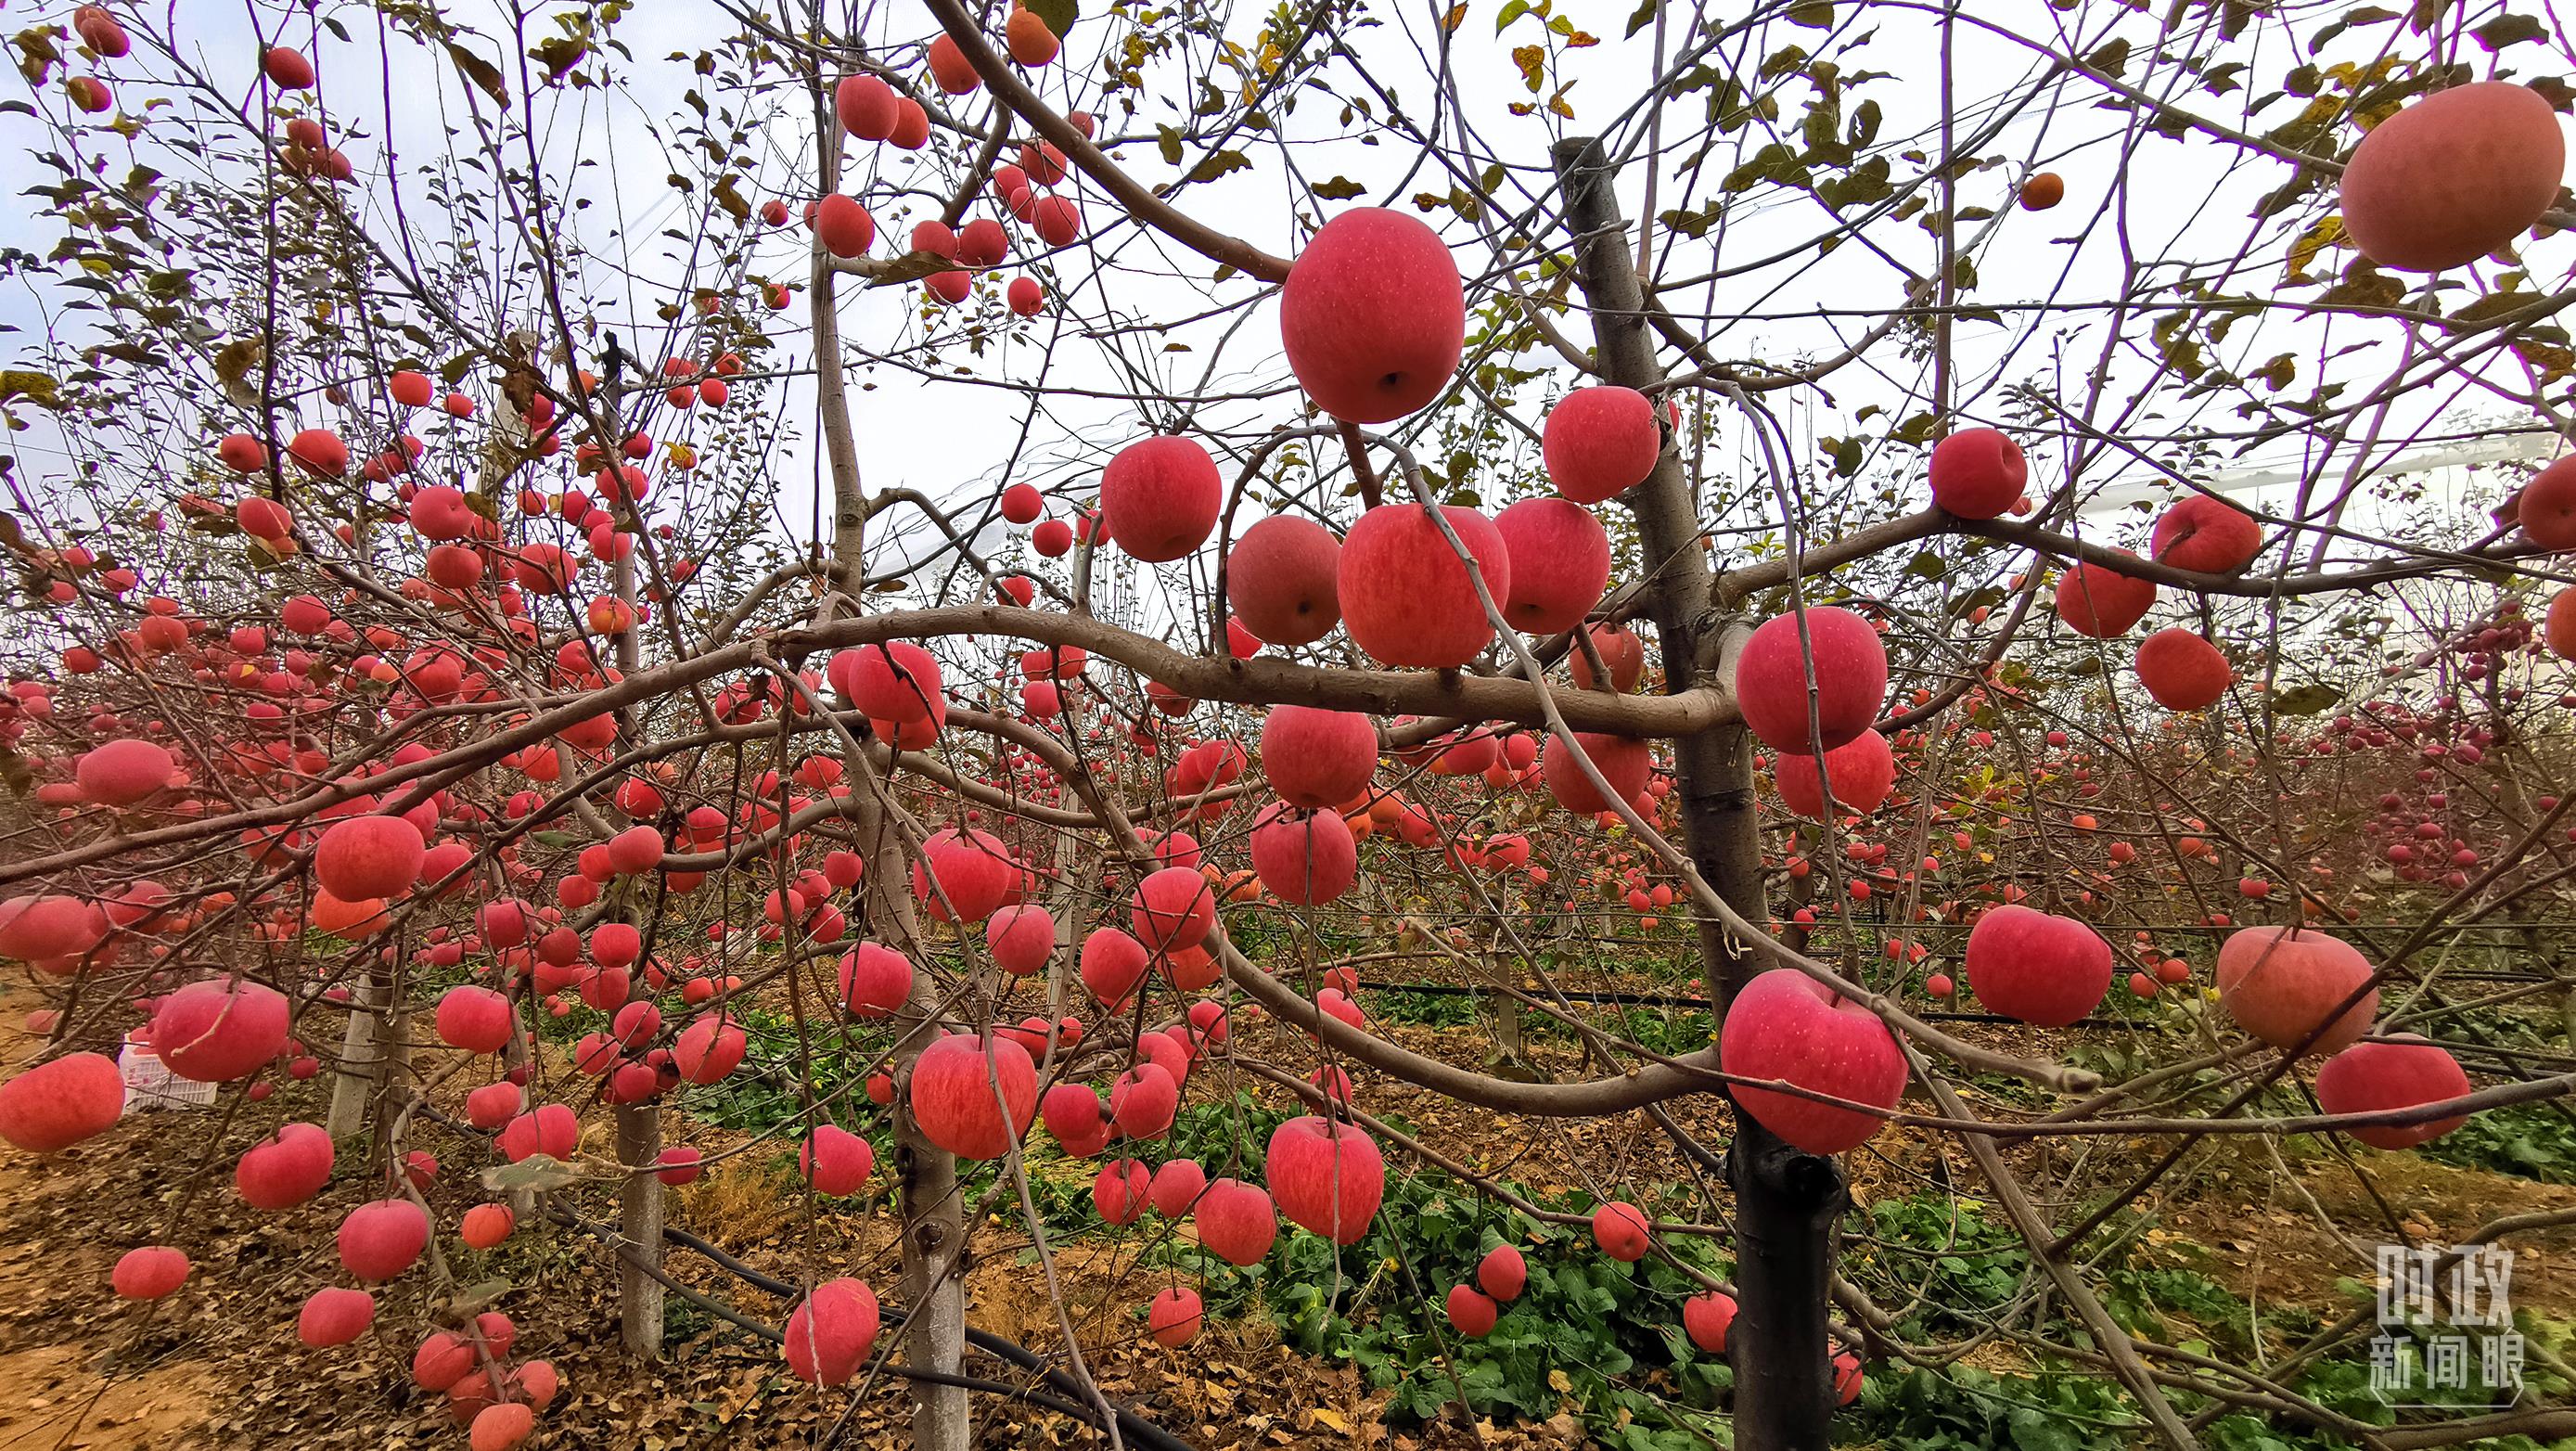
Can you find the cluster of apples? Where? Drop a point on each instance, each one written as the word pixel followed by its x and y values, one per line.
pixel 869 108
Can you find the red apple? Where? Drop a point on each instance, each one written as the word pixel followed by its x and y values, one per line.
pixel 1373 316
pixel 1560 561
pixel 1771 679
pixel 2399 1072
pixel 1406 597
pixel 2455 176
pixel 1787 1026
pixel 2042 969
pixel 2283 983
pixel 1977 473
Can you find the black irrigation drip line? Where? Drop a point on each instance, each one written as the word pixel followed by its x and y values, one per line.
pixel 1666 1000
pixel 1134 1429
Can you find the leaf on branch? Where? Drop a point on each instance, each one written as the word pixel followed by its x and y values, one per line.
pixel 731 200
pixel 910 267
pixel 537 1171
pixel 1212 166
pixel 1340 188
pixel 481 72
pixel 37 388
pixel 1814 14
pixel 2507 30
pixel 1168 142
pixel 2111 60
pixel 1532 60
pixel 2306 700
pixel 1059 15
pixel 1644 13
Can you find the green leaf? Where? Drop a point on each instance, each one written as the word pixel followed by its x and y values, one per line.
pixel 1645 12
pixel 481 72
pixel 1059 15
pixel 1512 10
pixel 1340 188
pixel 1217 164
pixel 537 1171
pixel 1168 142
pixel 2306 700
pixel 1814 14
pixel 2507 30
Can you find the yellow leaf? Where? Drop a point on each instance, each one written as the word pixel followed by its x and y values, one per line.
pixel 1559 1382
pixel 1334 1419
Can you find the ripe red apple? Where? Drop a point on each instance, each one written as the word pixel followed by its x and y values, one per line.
pixel 215 1032
pixel 1785 1025
pixel 953 1085
pixel 1977 473
pixel 2102 602
pixel 1325 1176
pixel 1113 963
pixel 1373 316
pixel 1304 859
pixel 371 856
pixel 2283 983
pixel 1600 442
pixel 1560 561
pixel 1622 654
pixel 381 1238
pixel 1236 1222
pixel 1159 498
pixel 1406 597
pixel 476 1019
pixel 1119 1192
pixel 1502 1273
pixel 1771 678
pixel 1624 762
pixel 1021 939
pixel 2453 177
pixel 1282 579
pixel 2400 1072
pixel 1706 1317
pixel 334 1316
pixel 1621 1230
pixel 867 107
pixel 2182 670
pixel 57 1104
pixel 829 1333
pixel 123 772
pixel 1173 1317
pixel 285 1169
pixel 1317 758
pixel 835 1161
pixel 2207 534
pixel 1471 1313
pixel 2546 507
pixel 1863 770
pixel 2042 969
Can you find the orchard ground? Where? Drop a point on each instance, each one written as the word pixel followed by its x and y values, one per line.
pixel 2243 1257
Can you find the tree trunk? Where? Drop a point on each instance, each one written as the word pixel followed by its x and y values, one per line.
pixel 934 1242
pixel 1787 1202
pixel 639 1125
pixel 360 1078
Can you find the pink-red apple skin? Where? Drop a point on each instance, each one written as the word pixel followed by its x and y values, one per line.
pixel 2043 969
pixel 2401 1072
pixel 1282 577
pixel 1863 771
pixel 1560 564
pixel 1850 679
pixel 1785 1025
pixel 1407 598
pixel 2205 534
pixel 2457 175
pixel 1373 316
pixel 1977 473
pixel 2281 984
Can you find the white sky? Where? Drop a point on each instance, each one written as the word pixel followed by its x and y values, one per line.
pixel 953 439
